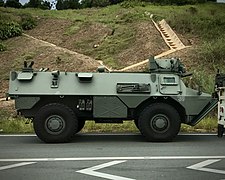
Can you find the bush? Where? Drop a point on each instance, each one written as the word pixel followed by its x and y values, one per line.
pixel 203 78
pixel 100 3
pixel 177 2
pixel 213 51
pixel 28 22
pixel 13 4
pixel 2 3
pixel 9 29
pixel 2 47
pixel 94 3
pixel 206 24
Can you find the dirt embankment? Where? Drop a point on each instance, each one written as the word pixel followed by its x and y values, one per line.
pixel 147 39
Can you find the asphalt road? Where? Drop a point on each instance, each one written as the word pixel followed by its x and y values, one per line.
pixel 113 156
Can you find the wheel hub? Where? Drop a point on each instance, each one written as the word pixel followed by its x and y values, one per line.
pixel 55 124
pixel 159 123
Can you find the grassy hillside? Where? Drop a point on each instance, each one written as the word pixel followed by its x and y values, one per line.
pixel 118 35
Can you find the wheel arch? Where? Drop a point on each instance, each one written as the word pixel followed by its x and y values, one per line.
pixel 165 99
pixel 44 100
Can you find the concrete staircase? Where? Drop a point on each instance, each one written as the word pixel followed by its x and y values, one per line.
pixel 170 38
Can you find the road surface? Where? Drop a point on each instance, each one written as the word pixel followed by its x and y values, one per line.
pixel 113 156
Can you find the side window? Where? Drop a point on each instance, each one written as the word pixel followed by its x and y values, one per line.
pixel 170 81
pixel 169 84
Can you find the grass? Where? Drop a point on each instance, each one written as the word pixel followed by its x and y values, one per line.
pixel 127 126
pixel 22 125
pixel 14 124
pixel 208 124
pixel 17 125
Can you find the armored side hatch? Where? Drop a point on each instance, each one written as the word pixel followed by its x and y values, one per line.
pixel 84 77
pixel 27 72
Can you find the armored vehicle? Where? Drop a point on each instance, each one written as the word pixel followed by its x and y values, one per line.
pixel 60 102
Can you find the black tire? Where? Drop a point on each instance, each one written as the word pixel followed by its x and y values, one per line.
pixel 220 130
pixel 81 124
pixel 159 122
pixel 55 123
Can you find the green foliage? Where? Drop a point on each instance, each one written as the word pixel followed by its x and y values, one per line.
pixel 208 124
pixel 213 52
pixel 9 29
pixel 95 3
pixel 206 23
pixel 33 3
pixel 127 126
pixel 46 5
pixel 100 3
pixel 28 22
pixel 16 125
pixel 13 3
pixel 131 3
pixel 2 3
pixel 2 47
pixel 176 2
pixel 201 78
pixel 59 5
pixel 67 4
pixel 38 4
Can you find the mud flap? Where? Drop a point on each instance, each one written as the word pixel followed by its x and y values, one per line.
pixel 221 130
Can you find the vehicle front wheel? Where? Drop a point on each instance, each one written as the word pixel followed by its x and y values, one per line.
pixel 55 123
pixel 159 122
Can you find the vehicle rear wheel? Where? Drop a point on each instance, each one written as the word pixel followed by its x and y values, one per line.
pixel 159 122
pixel 55 123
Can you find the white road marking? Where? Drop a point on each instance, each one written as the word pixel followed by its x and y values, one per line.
pixel 16 165
pixel 201 166
pixel 92 171
pixel 111 158
pixel 17 135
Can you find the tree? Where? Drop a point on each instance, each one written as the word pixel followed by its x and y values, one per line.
pixel 13 3
pixel 67 4
pixel 2 3
pixel 72 4
pixel 95 3
pixel 34 3
pixel 86 3
pixel 100 3
pixel 38 4
pixel 59 5
pixel 45 5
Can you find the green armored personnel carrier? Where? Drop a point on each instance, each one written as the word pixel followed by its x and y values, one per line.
pixel 60 102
